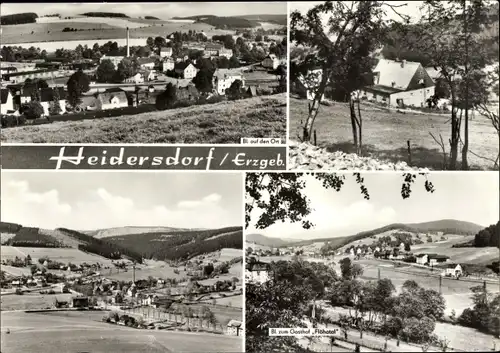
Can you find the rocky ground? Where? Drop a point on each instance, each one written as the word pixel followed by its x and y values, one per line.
pixel 304 156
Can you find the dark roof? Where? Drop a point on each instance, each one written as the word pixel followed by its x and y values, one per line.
pixel 24 73
pixel 382 89
pixel 438 257
pixel 258 266
pixel 182 65
pixel 146 61
pixel 4 94
pixel 213 46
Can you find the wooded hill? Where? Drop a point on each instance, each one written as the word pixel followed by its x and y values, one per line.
pixel 222 22
pixel 181 245
pixel 105 14
pixel 489 236
pixel 447 226
pixel 18 18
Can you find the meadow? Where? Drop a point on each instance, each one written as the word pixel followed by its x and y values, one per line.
pixel 31 301
pixel 385 134
pixel 83 332
pixel 224 122
pixel 64 255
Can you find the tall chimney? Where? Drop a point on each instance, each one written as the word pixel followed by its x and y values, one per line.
pixel 128 46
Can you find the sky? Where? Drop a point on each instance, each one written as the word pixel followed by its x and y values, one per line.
pixel 470 196
pixel 160 10
pixel 408 8
pixel 97 200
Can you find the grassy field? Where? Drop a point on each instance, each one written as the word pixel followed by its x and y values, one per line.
pixel 385 135
pixel 74 256
pixel 82 332
pixel 163 271
pixel 16 271
pixel 235 301
pixel 224 122
pixel 30 301
pixel 222 314
pixel 97 29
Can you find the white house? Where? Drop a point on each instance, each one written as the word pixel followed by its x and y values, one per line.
pixel 258 272
pixel 47 96
pixel 166 52
pixel 7 101
pixel 422 259
pixel 212 49
pixel 224 78
pixel 186 70
pixel 137 78
pixel 111 99
pixel 146 63
pixel 271 62
pixel 402 246
pixel 453 270
pixel 228 53
pixel 168 64
pixel 132 291
pixel 234 328
pixel 358 251
pixel 400 83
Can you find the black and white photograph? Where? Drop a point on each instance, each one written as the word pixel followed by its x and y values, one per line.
pixel 164 72
pixel 383 262
pixel 121 262
pixel 394 85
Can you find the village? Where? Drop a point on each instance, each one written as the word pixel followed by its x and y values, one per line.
pixel 198 69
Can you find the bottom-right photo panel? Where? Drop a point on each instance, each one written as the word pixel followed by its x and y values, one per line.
pixel 372 262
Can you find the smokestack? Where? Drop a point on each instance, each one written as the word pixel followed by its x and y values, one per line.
pixel 128 46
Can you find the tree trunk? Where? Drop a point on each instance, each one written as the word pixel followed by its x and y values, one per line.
pixel 455 134
pixel 465 149
pixel 354 124
pixel 314 108
pixel 360 126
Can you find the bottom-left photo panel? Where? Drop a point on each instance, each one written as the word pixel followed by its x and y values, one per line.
pixel 121 262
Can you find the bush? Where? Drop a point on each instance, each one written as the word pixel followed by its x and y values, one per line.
pixel 32 110
pixel 12 121
pixel 19 291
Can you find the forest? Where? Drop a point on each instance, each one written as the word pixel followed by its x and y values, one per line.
pixel 18 18
pixel 105 14
pixel 31 237
pixel 181 245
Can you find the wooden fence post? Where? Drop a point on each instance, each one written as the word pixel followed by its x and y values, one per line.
pixel 409 152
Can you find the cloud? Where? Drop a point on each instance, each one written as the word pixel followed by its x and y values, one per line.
pixel 102 209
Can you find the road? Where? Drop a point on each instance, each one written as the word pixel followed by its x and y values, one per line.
pixel 84 332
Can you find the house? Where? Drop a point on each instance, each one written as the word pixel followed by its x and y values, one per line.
pixel 351 252
pixel 234 328
pixel 431 259
pixel 20 77
pixel 402 246
pixel 224 78
pixel 132 291
pixel 147 63
pixel 168 64
pixel 80 302
pixel 185 69
pixel 257 271
pixel 422 259
pixel 111 99
pixel 212 49
pixel 7 101
pixel 271 62
pixel 399 84
pixel 228 53
pixel 8 70
pixel 117 298
pixel 47 100
pixel 149 75
pixel 137 78
pixel 161 301
pixel 115 59
pixel 454 270
pixel 166 52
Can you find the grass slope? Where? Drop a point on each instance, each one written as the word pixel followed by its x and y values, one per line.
pixel 225 122
pixel 262 240
pixel 385 134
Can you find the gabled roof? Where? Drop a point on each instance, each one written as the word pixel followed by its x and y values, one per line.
pixel 399 73
pixel 143 61
pixel 258 266
pixel 221 73
pixel 452 265
pixel 182 65
pixel 106 98
pixel 47 94
pixel 234 323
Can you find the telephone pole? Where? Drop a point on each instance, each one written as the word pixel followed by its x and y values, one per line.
pixel 133 273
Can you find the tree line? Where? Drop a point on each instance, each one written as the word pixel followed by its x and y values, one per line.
pixel 105 14
pixel 18 18
pixel 32 237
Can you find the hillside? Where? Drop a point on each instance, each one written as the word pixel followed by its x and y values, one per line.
pixel 277 19
pixel 224 122
pixel 222 22
pixel 447 226
pixel 262 240
pixel 105 14
pixel 118 231
pixel 177 245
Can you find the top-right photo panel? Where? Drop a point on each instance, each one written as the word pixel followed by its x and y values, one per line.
pixel 394 85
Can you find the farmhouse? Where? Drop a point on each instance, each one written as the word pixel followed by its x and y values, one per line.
pixel 271 62
pixel 228 53
pixel 7 101
pixel 224 78
pixel 166 52
pixel 185 70
pixel 48 96
pixel 168 64
pixel 234 328
pixel 454 270
pixel 431 259
pixel 257 272
pixel 147 63
pixel 212 49
pixel 399 84
pixel 111 99
pixel 8 70
pixel 18 77
pixel 137 78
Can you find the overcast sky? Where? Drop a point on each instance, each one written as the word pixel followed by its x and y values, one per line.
pixel 162 10
pixel 94 200
pixel 470 196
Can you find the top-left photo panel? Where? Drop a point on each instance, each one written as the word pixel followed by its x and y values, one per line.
pixel 144 73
